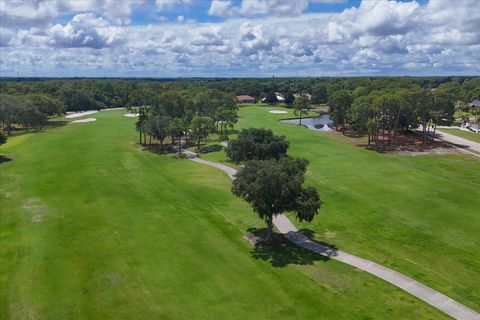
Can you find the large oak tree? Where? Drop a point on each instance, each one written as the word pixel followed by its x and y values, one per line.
pixel 276 186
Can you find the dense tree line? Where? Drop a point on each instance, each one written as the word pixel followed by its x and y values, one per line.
pixel 85 94
pixel 29 102
pixel 179 114
pixel 383 113
pixel 28 111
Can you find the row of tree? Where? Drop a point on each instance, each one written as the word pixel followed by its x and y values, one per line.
pixel 386 112
pixel 27 111
pixel 182 117
pixel 86 94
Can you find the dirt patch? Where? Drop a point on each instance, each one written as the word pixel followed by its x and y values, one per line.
pixel 253 239
pixel 35 208
pixel 329 234
pixel 436 151
pixel 410 144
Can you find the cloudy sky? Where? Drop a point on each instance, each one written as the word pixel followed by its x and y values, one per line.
pixel 171 38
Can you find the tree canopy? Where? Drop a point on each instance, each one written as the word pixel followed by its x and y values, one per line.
pixel 257 144
pixel 275 186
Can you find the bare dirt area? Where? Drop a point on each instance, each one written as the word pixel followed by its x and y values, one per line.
pixel 410 143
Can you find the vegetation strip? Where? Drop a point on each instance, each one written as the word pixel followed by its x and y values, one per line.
pixel 427 294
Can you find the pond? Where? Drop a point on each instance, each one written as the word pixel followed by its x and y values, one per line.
pixel 320 123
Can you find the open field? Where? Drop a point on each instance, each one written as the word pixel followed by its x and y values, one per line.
pixel 463 134
pixel 415 214
pixel 92 227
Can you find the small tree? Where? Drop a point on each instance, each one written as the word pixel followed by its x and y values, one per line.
pixel 160 128
pixel 273 187
pixel 141 123
pixel 301 106
pixel 225 118
pixel 201 127
pixel 289 99
pixel 3 137
pixel 319 94
pixel 271 97
pixel 339 104
pixel 177 128
pixel 257 144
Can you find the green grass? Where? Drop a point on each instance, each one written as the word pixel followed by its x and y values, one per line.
pixel 472 136
pixel 416 214
pixel 93 228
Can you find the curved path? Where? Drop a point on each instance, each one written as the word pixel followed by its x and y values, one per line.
pixel 458 141
pixel 430 296
pixel 462 144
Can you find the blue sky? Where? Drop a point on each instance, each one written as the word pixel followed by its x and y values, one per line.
pixel 184 38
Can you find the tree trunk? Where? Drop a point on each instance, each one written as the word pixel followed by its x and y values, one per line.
pixel 149 139
pixel 424 132
pixel 395 127
pixel 428 132
pixel 198 144
pixel 144 138
pixel 300 118
pixel 140 132
pixel 269 228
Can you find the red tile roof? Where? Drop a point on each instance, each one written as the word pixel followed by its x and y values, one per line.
pixel 244 97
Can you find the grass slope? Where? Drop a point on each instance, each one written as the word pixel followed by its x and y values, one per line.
pixel 416 214
pixel 93 228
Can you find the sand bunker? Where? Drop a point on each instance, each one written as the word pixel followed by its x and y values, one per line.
pixel 112 109
pixel 80 114
pixel 131 115
pixel 277 111
pixel 85 120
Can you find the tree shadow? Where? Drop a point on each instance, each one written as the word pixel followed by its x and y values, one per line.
pixel 56 123
pixel 311 235
pixel 155 148
pixel 211 148
pixel 4 159
pixel 280 251
pixel 353 134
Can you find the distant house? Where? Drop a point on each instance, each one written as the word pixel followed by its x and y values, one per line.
pixel 279 96
pixel 308 95
pixel 474 103
pixel 245 99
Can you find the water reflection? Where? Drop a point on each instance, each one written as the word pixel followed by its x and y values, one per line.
pixel 320 123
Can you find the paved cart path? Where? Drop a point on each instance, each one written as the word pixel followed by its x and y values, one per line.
pixel 459 141
pixel 430 296
pixel 465 145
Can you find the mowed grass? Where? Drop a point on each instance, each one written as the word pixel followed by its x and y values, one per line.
pixel 93 228
pixel 419 215
pixel 463 134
